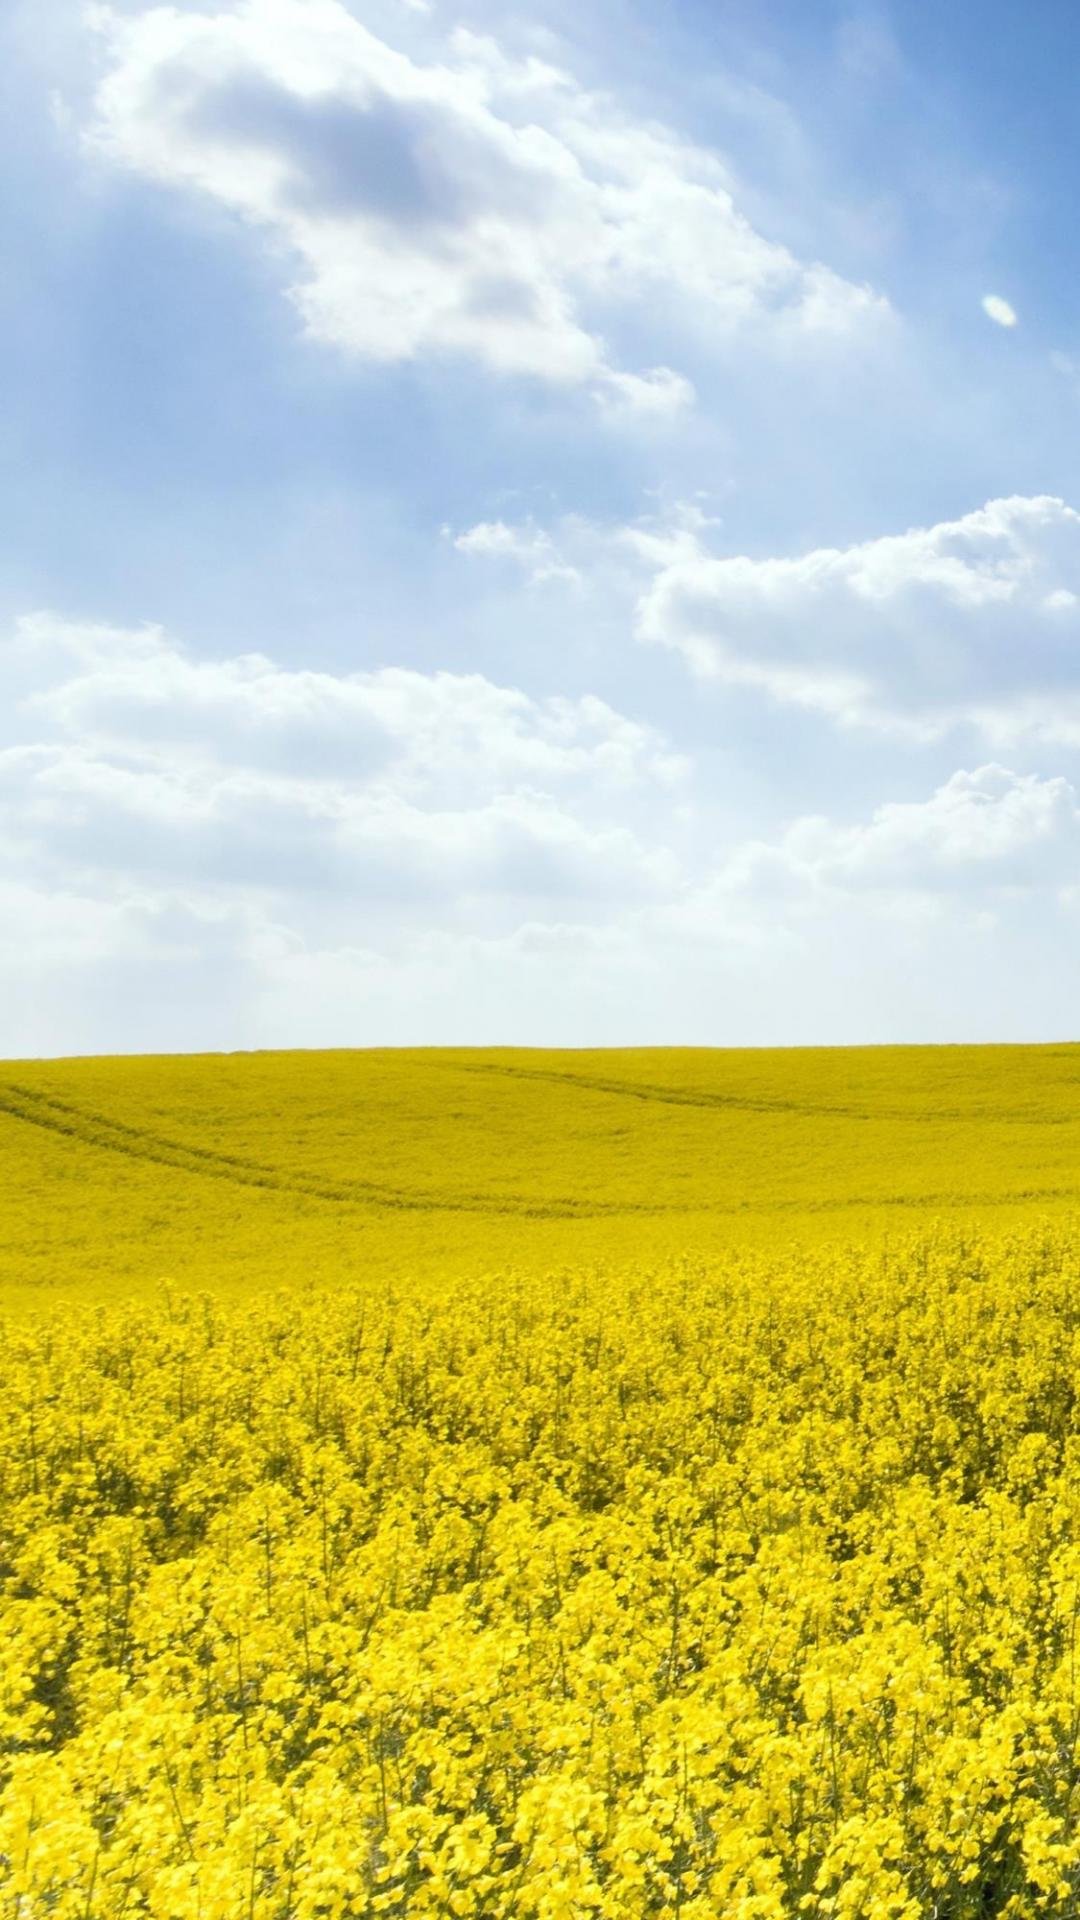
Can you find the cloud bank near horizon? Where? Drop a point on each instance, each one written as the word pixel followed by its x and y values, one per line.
pixel 340 828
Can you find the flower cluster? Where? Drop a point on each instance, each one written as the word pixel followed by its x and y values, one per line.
pixel 729 1588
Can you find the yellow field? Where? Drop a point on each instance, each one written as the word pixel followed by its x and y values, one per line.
pixel 509 1484
pixel 258 1169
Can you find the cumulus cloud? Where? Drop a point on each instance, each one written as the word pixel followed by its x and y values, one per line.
pixel 129 762
pixel 140 690
pixel 986 829
pixel 973 621
pixel 467 204
pixel 999 310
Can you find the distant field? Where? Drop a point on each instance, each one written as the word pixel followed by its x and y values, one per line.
pixel 257 1169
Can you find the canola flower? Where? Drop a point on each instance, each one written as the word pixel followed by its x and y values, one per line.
pixel 745 1586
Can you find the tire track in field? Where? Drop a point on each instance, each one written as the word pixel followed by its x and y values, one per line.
pixel 661 1095
pixel 98 1130
pixel 755 1103
pixel 116 1136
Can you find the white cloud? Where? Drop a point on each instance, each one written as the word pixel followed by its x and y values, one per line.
pixel 243 831
pixel 130 763
pixel 972 621
pixel 470 205
pixel 917 922
pixel 930 919
pixel 656 395
pixel 999 310
pixel 224 852
pixel 141 692
pixel 986 829
pixel 529 547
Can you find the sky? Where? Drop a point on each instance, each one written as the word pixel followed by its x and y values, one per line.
pixel 538 524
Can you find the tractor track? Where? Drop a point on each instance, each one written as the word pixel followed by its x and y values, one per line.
pixel 666 1096
pixel 97 1130
pixel 116 1136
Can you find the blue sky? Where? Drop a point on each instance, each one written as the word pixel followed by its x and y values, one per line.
pixel 520 526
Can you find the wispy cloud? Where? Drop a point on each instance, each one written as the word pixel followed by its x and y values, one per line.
pixel 529 547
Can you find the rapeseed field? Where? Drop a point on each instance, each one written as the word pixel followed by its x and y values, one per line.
pixel 248 1170
pixel 549 1485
